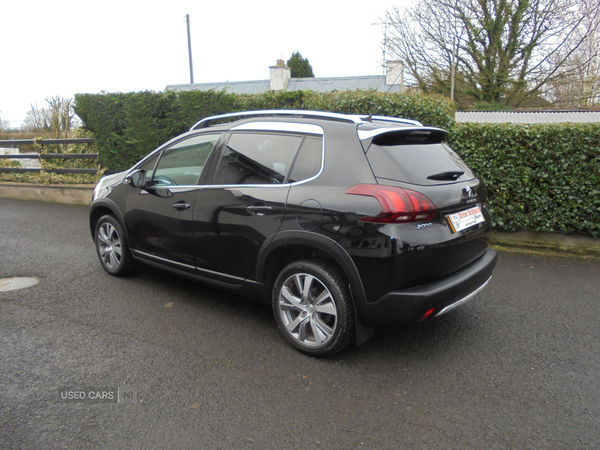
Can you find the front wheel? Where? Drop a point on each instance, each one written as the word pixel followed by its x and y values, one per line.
pixel 110 245
pixel 313 307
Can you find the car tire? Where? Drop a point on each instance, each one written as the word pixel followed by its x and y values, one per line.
pixel 313 307
pixel 111 247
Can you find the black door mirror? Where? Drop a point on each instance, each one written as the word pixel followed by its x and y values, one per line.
pixel 137 179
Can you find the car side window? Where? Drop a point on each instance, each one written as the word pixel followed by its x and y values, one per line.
pixel 308 161
pixel 182 163
pixel 256 158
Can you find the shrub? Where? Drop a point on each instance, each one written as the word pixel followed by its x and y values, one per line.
pixel 541 177
pixel 544 177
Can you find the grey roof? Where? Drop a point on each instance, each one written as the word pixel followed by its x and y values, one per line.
pixel 527 116
pixel 329 84
pixel 365 83
pixel 233 87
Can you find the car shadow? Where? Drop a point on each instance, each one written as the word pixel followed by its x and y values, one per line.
pixel 458 330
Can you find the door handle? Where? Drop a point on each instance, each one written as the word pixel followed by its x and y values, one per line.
pixel 181 206
pixel 258 209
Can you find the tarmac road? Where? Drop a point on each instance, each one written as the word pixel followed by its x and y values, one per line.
pixel 194 367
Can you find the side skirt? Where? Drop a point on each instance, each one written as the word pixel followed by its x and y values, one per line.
pixel 245 288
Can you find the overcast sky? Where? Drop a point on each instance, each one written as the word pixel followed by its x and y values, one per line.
pixel 65 47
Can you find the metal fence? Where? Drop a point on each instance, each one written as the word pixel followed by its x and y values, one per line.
pixel 42 143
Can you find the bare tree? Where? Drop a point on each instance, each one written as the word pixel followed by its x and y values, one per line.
pixel 60 114
pixel 36 119
pixel 578 82
pixel 505 51
pixel 58 118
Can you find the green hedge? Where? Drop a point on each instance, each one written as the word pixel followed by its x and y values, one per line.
pixel 128 126
pixel 542 177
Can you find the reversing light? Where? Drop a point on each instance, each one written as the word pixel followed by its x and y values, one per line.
pixel 397 204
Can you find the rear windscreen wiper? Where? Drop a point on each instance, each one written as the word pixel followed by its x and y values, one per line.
pixel 446 176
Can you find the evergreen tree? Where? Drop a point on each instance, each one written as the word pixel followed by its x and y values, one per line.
pixel 300 66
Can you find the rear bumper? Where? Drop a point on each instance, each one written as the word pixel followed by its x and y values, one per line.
pixel 410 305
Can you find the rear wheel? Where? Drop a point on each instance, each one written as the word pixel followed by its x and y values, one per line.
pixel 110 245
pixel 313 307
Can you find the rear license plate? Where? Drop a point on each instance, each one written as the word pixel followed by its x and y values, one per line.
pixel 464 219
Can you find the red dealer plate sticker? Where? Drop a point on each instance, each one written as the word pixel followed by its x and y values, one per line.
pixel 464 219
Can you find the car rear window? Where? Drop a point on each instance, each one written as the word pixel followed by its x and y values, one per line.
pixel 416 160
pixel 308 160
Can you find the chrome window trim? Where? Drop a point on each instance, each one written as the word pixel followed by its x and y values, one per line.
pixel 321 133
pixel 288 185
pixel 281 126
pixel 295 183
pixel 241 186
pixel 180 188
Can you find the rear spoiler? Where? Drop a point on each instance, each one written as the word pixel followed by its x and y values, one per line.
pixel 405 135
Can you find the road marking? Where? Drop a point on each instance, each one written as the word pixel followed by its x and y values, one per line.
pixel 13 284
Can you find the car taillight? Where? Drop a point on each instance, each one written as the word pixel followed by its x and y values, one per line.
pixel 397 204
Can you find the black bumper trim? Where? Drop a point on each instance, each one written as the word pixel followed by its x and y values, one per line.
pixel 410 305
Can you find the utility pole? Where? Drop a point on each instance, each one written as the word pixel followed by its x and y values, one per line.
pixel 187 21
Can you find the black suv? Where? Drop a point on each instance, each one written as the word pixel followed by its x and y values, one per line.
pixel 342 222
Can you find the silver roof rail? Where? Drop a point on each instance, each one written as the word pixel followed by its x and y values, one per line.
pixel 280 112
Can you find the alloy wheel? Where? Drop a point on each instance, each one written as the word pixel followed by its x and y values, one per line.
pixel 109 246
pixel 307 310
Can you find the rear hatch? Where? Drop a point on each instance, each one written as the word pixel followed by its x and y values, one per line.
pixel 418 159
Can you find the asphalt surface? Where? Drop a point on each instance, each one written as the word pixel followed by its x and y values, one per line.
pixel 194 367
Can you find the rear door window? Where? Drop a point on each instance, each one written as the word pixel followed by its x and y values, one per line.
pixel 256 158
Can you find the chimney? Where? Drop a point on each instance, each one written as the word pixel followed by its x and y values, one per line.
pixel 394 74
pixel 280 75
